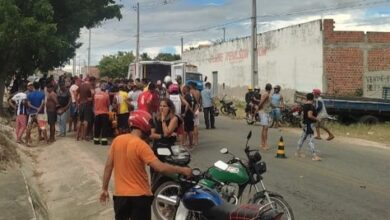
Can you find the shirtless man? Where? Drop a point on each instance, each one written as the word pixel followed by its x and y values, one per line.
pixel 196 94
pixel 85 94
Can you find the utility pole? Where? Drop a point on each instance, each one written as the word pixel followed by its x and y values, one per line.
pixel 224 33
pixel 254 67
pixel 182 47
pixel 89 52
pixel 74 66
pixel 137 49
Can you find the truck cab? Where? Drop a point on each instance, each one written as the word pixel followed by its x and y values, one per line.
pixel 189 73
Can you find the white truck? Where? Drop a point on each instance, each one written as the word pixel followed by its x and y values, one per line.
pixel 157 70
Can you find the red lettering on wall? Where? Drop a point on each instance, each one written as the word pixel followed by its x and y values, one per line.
pixel 217 58
pixel 261 51
pixel 237 55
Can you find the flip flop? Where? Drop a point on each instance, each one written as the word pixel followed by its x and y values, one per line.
pixel 318 138
pixel 330 138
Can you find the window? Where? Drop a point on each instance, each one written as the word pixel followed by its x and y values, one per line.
pixel 386 93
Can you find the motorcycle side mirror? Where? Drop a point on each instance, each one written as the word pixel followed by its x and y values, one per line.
pixel 163 151
pixel 224 151
pixel 196 172
pixel 249 135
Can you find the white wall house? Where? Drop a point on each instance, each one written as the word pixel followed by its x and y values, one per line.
pixel 291 57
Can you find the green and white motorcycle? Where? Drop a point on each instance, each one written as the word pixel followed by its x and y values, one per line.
pixel 230 179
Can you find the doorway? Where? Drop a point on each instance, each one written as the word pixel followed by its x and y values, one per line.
pixel 215 83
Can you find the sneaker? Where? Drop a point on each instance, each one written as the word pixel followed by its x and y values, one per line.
pixel 300 155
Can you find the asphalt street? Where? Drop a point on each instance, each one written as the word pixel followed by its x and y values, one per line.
pixel 352 181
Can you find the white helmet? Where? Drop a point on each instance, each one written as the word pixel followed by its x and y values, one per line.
pixel 167 79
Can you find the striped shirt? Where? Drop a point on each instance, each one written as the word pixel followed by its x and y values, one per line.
pixel 19 98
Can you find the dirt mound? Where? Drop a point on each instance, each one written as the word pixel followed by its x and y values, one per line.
pixel 8 152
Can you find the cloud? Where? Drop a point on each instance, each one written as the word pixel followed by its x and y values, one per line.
pixel 162 26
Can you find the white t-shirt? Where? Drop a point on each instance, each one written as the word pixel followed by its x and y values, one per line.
pixel 73 88
pixel 18 98
pixel 177 102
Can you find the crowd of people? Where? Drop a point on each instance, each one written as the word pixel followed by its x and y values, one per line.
pixel 98 109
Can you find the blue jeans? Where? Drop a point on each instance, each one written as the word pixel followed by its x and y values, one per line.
pixel 307 134
pixel 62 120
pixel 275 114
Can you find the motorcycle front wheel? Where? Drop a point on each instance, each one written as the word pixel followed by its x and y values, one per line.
pixel 278 202
pixel 163 210
pixel 224 110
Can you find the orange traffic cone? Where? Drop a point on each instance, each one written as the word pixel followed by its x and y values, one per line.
pixel 280 153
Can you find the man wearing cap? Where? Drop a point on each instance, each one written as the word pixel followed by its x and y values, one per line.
pixel 322 115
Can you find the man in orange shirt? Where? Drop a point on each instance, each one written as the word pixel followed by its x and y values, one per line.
pixel 128 155
pixel 102 121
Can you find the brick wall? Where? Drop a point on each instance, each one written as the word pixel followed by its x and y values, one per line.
pixel 344 57
pixel 344 70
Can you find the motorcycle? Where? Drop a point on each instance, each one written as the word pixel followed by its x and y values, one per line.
pixel 292 116
pixel 227 108
pixel 239 174
pixel 251 114
pixel 166 184
pixel 197 202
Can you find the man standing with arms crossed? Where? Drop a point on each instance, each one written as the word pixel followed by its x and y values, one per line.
pixel 128 155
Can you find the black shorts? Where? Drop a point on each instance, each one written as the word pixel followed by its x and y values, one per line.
pixel 51 118
pixel 85 112
pixel 133 207
pixel 189 122
pixel 123 121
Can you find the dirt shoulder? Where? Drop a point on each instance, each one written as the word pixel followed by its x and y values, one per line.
pixel 69 179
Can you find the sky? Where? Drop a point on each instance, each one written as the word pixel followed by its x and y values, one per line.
pixel 164 22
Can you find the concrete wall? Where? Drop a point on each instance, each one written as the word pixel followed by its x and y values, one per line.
pixel 291 57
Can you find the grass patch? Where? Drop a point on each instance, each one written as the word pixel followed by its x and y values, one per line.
pixel 378 133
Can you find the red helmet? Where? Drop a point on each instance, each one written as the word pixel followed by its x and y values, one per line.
pixel 140 119
pixel 173 88
pixel 316 91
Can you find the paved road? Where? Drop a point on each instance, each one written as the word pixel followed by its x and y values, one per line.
pixel 352 181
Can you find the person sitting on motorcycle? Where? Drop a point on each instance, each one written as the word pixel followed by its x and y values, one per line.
pixel 248 99
pixel 256 98
pixel 128 155
pixel 277 104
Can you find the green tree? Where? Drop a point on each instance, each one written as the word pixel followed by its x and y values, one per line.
pixel 42 34
pixel 167 57
pixel 116 66
pixel 145 57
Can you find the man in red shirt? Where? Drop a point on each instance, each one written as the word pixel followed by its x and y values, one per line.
pixel 128 155
pixel 101 107
pixel 149 100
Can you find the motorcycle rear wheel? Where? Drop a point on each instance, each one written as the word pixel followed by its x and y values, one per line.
pixel 279 203
pixel 162 210
pixel 249 119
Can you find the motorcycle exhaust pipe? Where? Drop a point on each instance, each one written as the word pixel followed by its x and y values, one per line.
pixel 167 200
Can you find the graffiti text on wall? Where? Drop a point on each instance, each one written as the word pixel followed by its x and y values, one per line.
pixel 235 56
pixel 376 83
